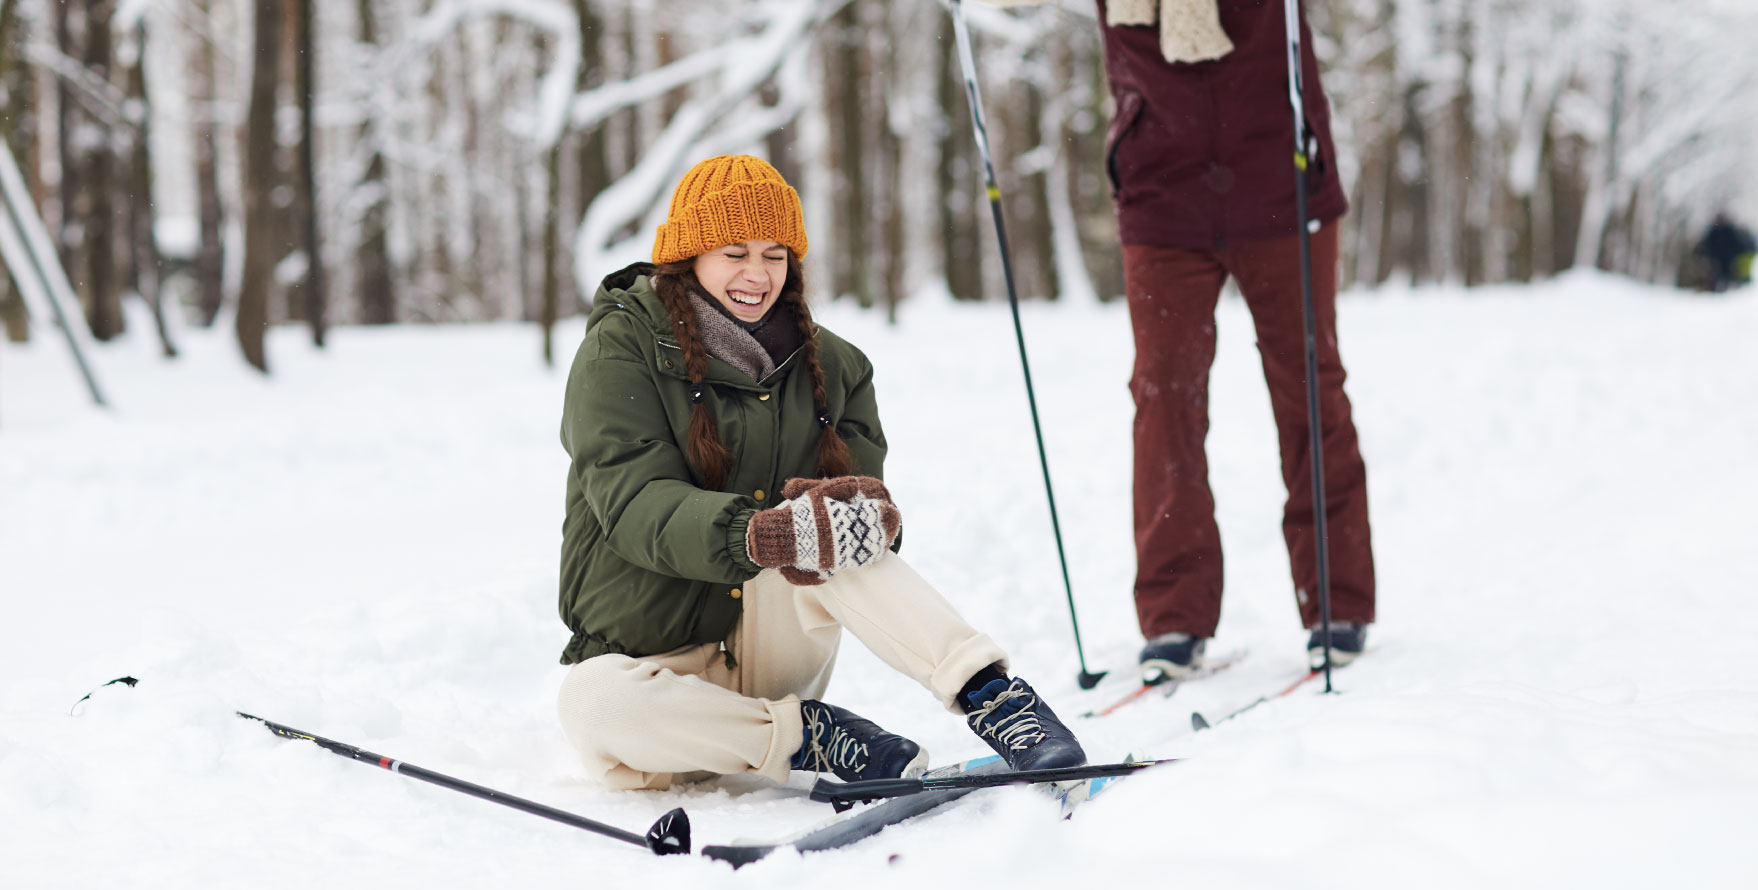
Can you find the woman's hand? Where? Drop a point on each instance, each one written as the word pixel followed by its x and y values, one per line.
pixel 824 526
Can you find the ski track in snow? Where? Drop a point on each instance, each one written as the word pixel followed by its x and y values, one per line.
pixel 1558 692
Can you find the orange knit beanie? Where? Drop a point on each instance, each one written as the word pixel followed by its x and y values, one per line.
pixel 726 200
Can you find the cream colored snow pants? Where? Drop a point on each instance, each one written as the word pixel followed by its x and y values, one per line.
pixel 685 715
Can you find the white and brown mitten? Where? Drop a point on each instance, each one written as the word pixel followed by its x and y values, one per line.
pixel 823 527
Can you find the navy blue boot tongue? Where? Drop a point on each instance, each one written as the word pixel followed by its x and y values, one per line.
pixel 989 692
pixel 1009 716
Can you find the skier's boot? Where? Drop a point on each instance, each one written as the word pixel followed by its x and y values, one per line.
pixel 1020 727
pixel 853 747
pixel 1171 656
pixel 1348 638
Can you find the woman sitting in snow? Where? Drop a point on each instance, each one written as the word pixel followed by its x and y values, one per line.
pixel 725 522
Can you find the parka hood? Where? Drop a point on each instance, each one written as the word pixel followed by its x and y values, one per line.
pixel 630 288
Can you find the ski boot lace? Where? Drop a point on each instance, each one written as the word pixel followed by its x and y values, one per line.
pixel 1017 730
pixel 838 752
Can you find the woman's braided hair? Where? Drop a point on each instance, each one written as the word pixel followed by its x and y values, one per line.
pixel 674 282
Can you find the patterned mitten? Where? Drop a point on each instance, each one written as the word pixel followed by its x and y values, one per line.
pixel 823 527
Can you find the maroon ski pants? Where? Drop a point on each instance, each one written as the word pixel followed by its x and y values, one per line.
pixel 1172 296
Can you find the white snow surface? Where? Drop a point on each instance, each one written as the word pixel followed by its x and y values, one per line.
pixel 1559 691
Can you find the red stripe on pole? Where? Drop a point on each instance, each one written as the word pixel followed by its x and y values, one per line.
pixel 1300 682
pixel 384 763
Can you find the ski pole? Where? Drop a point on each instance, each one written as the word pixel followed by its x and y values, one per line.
pixel 1321 542
pixel 671 834
pixel 1087 679
pixel 844 794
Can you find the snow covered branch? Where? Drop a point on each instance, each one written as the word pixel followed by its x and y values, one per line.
pixel 557 85
pixel 744 65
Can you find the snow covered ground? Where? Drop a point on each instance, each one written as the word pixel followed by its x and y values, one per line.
pixel 1560 691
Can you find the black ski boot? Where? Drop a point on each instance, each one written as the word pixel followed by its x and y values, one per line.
pixel 1021 727
pixel 1171 656
pixel 1348 638
pixel 853 747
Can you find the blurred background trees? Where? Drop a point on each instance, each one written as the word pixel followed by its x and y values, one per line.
pixel 379 161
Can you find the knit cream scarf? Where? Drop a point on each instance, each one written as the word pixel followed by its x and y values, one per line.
pixel 1190 30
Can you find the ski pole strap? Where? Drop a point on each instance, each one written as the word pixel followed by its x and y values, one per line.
pixel 848 793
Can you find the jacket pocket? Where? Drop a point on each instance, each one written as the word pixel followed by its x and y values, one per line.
pixel 1129 108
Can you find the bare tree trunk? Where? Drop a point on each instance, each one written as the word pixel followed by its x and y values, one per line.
pixel 590 170
pixel 478 268
pixel 550 237
pixel 16 130
pixel 306 208
pixel 1086 169
pixel 886 208
pixel 593 165
pixel 1414 197
pixel 780 144
pixel 259 181
pixel 892 283
pixel 633 129
pixel 1372 210
pixel 144 261
pixel 1542 260
pixel 96 205
pixel 962 254
pixel 853 269
pixel 552 280
pixel 378 290
pixel 378 294
pixel 66 234
pixel 1034 248
pixel 210 257
pixel 439 274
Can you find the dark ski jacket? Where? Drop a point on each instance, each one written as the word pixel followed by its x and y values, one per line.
pixel 1724 243
pixel 652 561
pixel 1202 154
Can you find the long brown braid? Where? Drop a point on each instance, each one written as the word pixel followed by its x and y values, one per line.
pixel 674 282
pixel 834 458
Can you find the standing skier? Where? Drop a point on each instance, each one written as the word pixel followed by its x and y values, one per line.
pixel 1201 171
pixel 726 521
pixel 1728 248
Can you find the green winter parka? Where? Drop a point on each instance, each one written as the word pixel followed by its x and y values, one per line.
pixel 651 560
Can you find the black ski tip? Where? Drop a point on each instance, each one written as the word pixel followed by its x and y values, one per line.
pixel 1197 723
pixel 738 854
pixel 671 834
pixel 1088 679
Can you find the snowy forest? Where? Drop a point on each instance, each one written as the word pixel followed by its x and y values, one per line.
pixel 390 161
pixel 324 267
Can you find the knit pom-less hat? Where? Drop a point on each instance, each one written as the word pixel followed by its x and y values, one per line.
pixel 726 200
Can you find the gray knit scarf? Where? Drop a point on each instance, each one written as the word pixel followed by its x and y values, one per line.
pixel 725 340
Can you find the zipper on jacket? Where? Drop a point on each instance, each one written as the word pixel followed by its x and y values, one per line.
pixel 731 663
pixel 778 368
pixel 764 382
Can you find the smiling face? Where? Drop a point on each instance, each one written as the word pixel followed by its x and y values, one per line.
pixel 746 278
